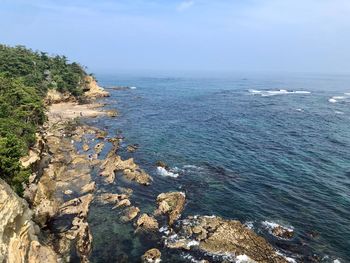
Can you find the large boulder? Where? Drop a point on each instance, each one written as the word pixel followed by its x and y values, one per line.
pixel 171 204
pixel 19 240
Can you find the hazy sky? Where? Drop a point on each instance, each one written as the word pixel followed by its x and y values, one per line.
pixel 244 35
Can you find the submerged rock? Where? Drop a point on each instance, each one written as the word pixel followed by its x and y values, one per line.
pixel 129 214
pixel 132 148
pixel 216 236
pixel 112 113
pixel 151 256
pixel 118 200
pixel 171 204
pixel 86 147
pixel 99 147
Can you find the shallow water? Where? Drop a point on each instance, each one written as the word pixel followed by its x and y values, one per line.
pixel 247 147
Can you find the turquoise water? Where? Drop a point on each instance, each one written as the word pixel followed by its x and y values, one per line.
pixel 242 151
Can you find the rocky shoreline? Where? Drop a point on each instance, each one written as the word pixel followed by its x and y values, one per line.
pixel 54 223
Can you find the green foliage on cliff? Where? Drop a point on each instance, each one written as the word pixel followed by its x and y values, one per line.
pixel 25 77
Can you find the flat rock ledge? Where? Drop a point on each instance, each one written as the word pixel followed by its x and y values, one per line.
pixel 216 236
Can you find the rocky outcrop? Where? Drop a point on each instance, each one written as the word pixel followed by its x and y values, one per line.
pixel 54 96
pixel 146 223
pixel 130 169
pixel 151 256
pixel 118 200
pixel 19 240
pixel 92 89
pixel 216 236
pixel 171 204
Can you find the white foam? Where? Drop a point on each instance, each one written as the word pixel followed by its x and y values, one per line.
pixel 336 261
pixel 132 87
pixel 339 112
pixel 249 225
pixel 331 100
pixel 192 243
pixel 272 225
pixel 164 172
pixel 267 93
pixel 244 259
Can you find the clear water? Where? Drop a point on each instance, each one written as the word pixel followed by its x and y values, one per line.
pixel 253 156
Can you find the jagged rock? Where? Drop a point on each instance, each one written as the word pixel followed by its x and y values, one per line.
pixel 86 147
pixel 147 223
pixel 131 171
pixel 99 147
pixel 79 206
pixel 282 232
pixel 129 214
pixel 92 90
pixel 151 256
pixel 222 237
pixel 88 188
pixel 171 204
pixel 132 148
pixel 18 233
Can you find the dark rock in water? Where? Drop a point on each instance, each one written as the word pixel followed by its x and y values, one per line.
pixel 162 164
pixel 215 236
pixel 151 256
pixel 132 148
pixel 282 232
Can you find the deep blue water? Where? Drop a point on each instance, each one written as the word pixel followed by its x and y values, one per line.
pixel 242 152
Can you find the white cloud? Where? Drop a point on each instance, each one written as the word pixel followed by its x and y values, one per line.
pixel 185 5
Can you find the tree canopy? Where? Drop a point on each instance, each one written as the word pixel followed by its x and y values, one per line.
pixel 25 77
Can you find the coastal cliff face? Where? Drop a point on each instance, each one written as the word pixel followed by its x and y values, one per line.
pixel 19 235
pixel 92 89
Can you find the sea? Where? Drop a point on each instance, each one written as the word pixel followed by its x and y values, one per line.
pixel 264 149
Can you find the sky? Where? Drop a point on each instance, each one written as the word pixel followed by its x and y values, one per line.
pixel 200 35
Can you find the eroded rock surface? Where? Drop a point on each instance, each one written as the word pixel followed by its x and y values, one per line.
pixel 217 236
pixel 113 163
pixel 146 223
pixel 18 233
pixel 171 204
pixel 151 256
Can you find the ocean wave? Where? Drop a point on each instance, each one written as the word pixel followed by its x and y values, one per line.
pixel 279 231
pixel 272 225
pixel 267 93
pixel 133 87
pixel 335 99
pixel 167 173
pixel 244 259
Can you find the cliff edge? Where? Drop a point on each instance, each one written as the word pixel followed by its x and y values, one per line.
pixel 19 235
